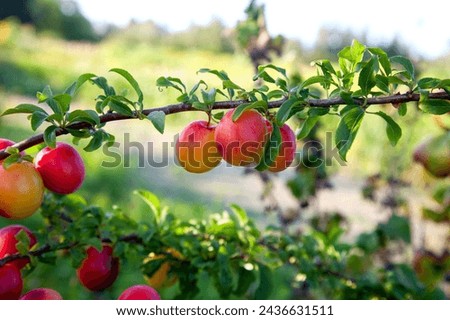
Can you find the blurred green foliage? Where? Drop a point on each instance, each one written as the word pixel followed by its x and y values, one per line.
pixel 61 18
pixel 224 255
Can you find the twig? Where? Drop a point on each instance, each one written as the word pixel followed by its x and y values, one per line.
pixel 131 238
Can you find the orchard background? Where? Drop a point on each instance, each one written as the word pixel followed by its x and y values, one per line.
pixel 375 226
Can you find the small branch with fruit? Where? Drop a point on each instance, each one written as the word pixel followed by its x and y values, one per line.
pixel 366 76
pixel 46 248
pixel 395 100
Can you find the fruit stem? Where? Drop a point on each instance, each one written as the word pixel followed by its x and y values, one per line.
pixel 209 117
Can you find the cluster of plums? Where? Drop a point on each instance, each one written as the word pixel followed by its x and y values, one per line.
pixel 201 146
pixel 97 272
pixel 59 169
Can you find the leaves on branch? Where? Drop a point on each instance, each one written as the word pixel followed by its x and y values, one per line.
pixel 377 75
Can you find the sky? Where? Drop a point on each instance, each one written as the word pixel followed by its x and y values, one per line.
pixel 423 25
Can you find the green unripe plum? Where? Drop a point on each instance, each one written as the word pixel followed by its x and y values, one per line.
pixel 434 155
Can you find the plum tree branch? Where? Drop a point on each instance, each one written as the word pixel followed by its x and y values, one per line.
pixel 46 248
pixel 183 107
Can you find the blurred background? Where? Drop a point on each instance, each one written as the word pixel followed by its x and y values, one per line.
pixel 54 41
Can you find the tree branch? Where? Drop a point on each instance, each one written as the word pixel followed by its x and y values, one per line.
pixel 131 238
pixel 183 107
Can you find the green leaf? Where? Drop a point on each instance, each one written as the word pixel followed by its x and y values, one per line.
pixel 349 57
pixel 83 133
pixel 434 106
pixel 353 53
pixel 237 113
pixel 326 67
pixel 225 276
pixel 110 139
pixel 23 108
pixel 240 214
pixel 37 118
pixel 200 106
pixel 357 51
pixel 369 242
pixel 397 80
pixel 45 94
pixel 83 79
pixel 402 109
pixel 95 142
pixel 150 267
pixel 265 287
pixel 271 149
pixel 11 150
pixel 436 216
pixel 318 111
pixel 240 110
pixel 95 242
pixel 158 119
pixel 383 58
pixel 441 194
pixel 72 89
pixel 64 101
pixel 55 106
pixel 382 82
pixel 120 107
pixel 245 279
pixel 23 242
pixel 280 70
pixel 102 83
pixel 172 82
pixel 9 161
pixel 131 81
pixel 265 76
pixel 196 86
pixel 223 229
pixel 222 75
pixel 306 127
pixel 49 258
pixel 406 63
pixel 444 84
pixel 56 117
pixel 315 79
pixel 284 112
pixel 393 130
pixel 77 255
pixel 50 136
pixel 88 116
pixel 282 84
pixel 262 74
pixel 218 115
pixel 152 201
pixel 275 94
pixel 347 129
pixel 407 278
pixel 428 83
pixel 397 228
pixel 209 97
pixel 366 79
pixel 228 84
